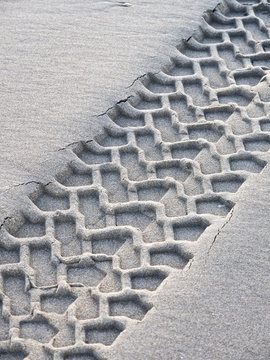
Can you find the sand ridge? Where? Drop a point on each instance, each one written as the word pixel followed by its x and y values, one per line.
pixel 94 246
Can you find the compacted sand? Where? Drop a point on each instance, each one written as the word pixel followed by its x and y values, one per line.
pixel 91 268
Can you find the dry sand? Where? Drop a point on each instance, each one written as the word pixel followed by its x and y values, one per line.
pixel 145 245
pixel 65 62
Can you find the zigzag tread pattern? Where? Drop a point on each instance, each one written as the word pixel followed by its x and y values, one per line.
pixel 95 244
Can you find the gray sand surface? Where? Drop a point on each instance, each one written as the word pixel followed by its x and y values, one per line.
pixel 63 62
pixel 148 238
pixel 219 307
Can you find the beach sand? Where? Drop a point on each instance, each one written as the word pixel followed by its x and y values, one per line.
pixel 148 238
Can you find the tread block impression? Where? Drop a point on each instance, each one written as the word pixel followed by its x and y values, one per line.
pixel 139 218
pixel 261 143
pixel 247 163
pixel 179 68
pixel 129 306
pixel 73 177
pixel 189 230
pixel 195 90
pixel 218 113
pixel 107 244
pixel 212 72
pixel 235 96
pixel 169 132
pixel 92 156
pixel 15 289
pixel 56 303
pixel 104 333
pixel 89 206
pixel 136 170
pixel 9 255
pixel 192 51
pixel 175 205
pixel 239 39
pixel 14 355
pixel 265 125
pixel 185 150
pixel 80 356
pixel 149 281
pixel 227 183
pixel 111 181
pixel 38 330
pixel 227 53
pixel 30 229
pixel 159 87
pixel 215 206
pixel 185 113
pixel 4 328
pixel 168 256
pixel 87 306
pixel 209 163
pixel 124 120
pixel 45 269
pixel 220 23
pixel 145 103
pixel 51 202
pixel 151 191
pixel 65 232
pixel 86 275
pixel 172 169
pixel 146 142
pixel 248 77
pixel 205 131
pixel 111 139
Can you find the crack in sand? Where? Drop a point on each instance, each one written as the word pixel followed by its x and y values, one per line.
pixel 5 220
pixel 112 107
pixel 28 183
pixel 137 78
pixel 141 77
pixel 74 144
pixel 219 231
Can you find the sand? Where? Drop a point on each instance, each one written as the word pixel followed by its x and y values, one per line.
pixel 65 63
pixel 217 308
pixel 145 245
